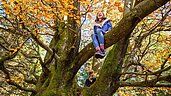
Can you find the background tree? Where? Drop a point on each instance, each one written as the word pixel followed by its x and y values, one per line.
pixel 25 26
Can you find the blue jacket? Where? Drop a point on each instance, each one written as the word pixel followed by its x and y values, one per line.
pixel 88 83
pixel 106 25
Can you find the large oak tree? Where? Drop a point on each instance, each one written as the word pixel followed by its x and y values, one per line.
pixel 63 58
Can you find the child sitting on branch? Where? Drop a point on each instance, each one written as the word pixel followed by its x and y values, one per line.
pixel 101 26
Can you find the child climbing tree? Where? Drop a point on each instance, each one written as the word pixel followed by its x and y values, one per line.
pixel 52 72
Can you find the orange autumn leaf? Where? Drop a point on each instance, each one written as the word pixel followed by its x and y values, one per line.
pixel 169 19
pixel 89 16
pixel 117 3
pixel 7 12
pixel 120 9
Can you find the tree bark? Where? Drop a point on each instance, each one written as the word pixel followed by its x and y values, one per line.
pixel 59 81
pixel 122 29
pixel 108 80
pixel 115 62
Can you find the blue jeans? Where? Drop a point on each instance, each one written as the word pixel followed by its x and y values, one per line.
pixel 98 38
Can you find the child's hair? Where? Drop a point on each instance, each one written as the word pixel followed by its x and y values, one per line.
pixel 90 72
pixel 97 19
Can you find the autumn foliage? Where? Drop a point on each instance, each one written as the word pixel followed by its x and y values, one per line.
pixel 37 35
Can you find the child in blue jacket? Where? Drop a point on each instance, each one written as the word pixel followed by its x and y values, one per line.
pixel 91 79
pixel 101 26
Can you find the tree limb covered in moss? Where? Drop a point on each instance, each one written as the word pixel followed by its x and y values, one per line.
pixel 31 81
pixel 149 83
pixel 43 45
pixel 122 29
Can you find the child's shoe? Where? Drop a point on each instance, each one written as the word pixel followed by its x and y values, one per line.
pixel 100 54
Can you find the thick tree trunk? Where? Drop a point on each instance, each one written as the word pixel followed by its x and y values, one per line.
pixel 114 62
pixel 108 80
pixel 58 79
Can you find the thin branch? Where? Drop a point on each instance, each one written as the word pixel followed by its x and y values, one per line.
pixel 9 81
pixel 2 67
pixel 44 67
pixel 46 34
pixel 162 66
pixel 88 9
pixel 20 87
pixel 51 58
pixel 152 73
pixel 3 38
pixel 148 83
pixel 43 45
pixel 5 48
pixel 31 81
pixel 29 56
pixel 11 31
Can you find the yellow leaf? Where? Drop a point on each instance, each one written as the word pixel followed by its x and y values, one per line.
pixel 78 21
pixel 87 2
pixel 42 30
pixel 34 32
pixel 7 7
pixel 38 35
pixel 21 16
